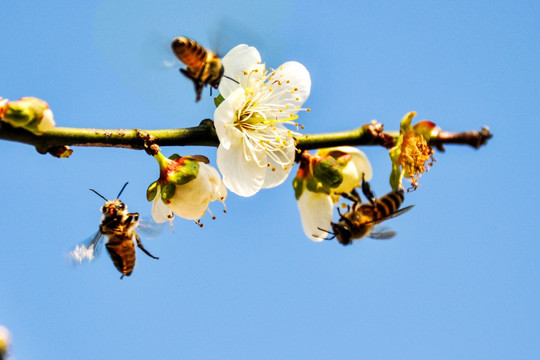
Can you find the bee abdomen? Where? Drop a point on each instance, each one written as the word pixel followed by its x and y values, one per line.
pixel 389 203
pixel 189 52
pixel 123 255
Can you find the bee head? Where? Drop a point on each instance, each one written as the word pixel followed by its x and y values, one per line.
pixel 342 232
pixel 113 207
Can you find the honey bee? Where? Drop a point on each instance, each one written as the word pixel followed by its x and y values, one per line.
pixel 360 221
pixel 203 67
pixel 118 226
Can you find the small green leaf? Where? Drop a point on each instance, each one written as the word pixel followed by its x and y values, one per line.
pixel 185 173
pixel 316 186
pixel 151 192
pixel 328 172
pixel 218 100
pixel 298 185
pixel 167 192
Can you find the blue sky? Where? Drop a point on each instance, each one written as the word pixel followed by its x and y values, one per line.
pixel 461 279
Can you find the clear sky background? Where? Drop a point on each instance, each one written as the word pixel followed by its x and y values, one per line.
pixel 461 279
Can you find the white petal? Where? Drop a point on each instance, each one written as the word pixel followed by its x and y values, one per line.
pixel 160 212
pixel 242 177
pixel 316 211
pixel 279 175
pixel 361 163
pixel 293 84
pixel 219 190
pixel 236 61
pixel 47 121
pixel 224 117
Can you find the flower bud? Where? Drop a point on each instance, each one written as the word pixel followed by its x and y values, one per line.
pixel 29 113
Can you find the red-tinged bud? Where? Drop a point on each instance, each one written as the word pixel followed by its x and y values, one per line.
pixel 29 113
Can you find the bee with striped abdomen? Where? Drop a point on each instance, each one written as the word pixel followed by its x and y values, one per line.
pixel 203 67
pixel 118 226
pixel 360 221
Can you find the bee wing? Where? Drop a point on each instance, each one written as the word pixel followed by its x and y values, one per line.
pixel 149 227
pixel 382 233
pixel 88 250
pixel 399 212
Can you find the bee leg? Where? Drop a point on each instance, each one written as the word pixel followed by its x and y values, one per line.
pixel 353 196
pixel 140 246
pixel 196 83
pixel 366 189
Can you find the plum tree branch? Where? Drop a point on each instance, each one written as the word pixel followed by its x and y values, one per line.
pixel 205 135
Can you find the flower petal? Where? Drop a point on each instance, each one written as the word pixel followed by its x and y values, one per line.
pixel 316 211
pixel 242 177
pixel 219 190
pixel 160 211
pixel 239 59
pixel 292 83
pixel 275 173
pixel 224 117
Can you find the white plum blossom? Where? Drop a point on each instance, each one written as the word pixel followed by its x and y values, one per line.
pixel 316 212
pixel 256 150
pixel 316 199
pixel 187 185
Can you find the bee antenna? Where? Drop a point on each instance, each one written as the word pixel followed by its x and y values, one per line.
pixel 230 78
pixel 98 194
pixel 326 231
pixel 120 193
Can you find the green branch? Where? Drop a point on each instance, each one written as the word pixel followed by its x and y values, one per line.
pixel 205 135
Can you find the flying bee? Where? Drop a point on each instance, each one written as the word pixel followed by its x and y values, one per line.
pixel 203 67
pixel 360 221
pixel 118 226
